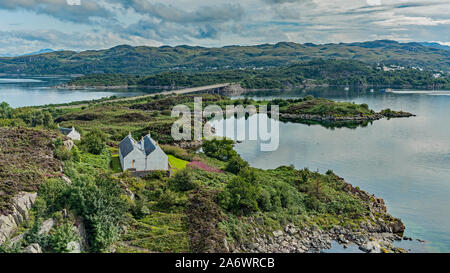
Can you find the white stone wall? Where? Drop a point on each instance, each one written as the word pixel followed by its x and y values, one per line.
pixel 139 161
pixel 158 160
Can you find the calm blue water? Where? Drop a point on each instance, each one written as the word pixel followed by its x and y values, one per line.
pixel 32 91
pixel 404 161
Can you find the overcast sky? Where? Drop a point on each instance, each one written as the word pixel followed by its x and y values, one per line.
pixel 30 25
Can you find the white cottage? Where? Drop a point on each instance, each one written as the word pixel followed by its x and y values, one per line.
pixel 144 155
pixel 70 133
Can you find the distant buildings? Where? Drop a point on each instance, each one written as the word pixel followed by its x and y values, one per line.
pixel 144 155
pixel 70 133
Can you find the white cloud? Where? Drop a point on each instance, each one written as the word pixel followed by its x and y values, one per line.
pixel 406 20
pixel 105 23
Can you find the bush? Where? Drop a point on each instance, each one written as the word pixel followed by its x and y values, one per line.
pixel 62 153
pixel 264 200
pixel 236 164
pixel 94 142
pixel 169 199
pixel 61 236
pixel 76 154
pixel 240 196
pixel 54 193
pixel 221 149
pixel 98 201
pixel 182 181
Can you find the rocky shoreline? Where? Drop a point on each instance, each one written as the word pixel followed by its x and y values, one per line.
pixel 376 234
pixel 313 239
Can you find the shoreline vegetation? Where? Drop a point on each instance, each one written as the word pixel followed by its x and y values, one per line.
pixel 315 73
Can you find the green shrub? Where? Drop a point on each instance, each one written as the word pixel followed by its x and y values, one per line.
pixel 61 236
pixel 221 149
pixel 76 154
pixel 54 193
pixel 98 201
pixel 182 181
pixel 264 200
pixel 62 153
pixel 240 196
pixel 94 141
pixel 236 164
pixel 168 199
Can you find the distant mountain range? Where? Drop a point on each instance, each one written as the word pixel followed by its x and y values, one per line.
pixel 147 60
pixel 436 45
pixel 45 50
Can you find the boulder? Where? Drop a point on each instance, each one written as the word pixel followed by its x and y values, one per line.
pixel 225 244
pixel 67 180
pixel 398 227
pixel 277 233
pixel 74 247
pixel 22 203
pixel 80 229
pixel 34 248
pixel 371 247
pixel 68 144
pixel 46 226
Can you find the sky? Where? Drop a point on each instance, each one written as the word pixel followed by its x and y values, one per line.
pixel 30 25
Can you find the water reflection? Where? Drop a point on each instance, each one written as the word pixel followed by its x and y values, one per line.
pixel 404 161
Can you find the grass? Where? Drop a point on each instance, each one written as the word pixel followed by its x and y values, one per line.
pixel 115 164
pixel 177 164
pixel 158 232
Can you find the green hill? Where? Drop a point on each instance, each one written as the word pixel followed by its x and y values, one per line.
pixel 145 60
pixel 314 72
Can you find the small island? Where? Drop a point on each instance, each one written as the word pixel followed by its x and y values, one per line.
pixel 328 112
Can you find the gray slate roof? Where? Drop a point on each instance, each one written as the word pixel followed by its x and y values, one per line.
pixel 147 146
pixel 65 131
pixel 126 145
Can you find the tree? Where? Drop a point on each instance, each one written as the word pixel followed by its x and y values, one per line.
pixel 240 196
pixel 5 110
pixel 221 149
pixel 47 119
pixel 236 164
pixel 94 141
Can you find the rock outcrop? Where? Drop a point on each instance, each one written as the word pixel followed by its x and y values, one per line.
pixel 313 239
pixel 68 144
pixel 22 203
pixel 34 248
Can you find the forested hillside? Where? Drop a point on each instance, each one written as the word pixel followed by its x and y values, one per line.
pixel 314 72
pixel 145 60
